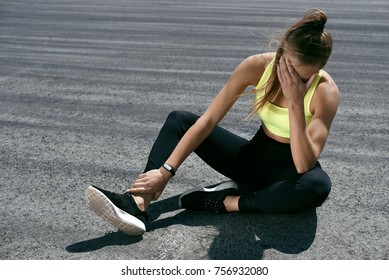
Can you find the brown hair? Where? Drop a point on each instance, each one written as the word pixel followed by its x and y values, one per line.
pixel 308 40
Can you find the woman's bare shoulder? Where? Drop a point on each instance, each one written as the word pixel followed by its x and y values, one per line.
pixel 327 93
pixel 261 59
pixel 328 86
pixel 254 66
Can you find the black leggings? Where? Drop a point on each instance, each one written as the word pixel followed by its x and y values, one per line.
pixel 262 168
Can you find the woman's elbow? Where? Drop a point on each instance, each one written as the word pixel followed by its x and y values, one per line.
pixel 304 167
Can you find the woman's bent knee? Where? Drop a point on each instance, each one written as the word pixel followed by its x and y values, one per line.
pixel 180 115
pixel 183 119
pixel 318 184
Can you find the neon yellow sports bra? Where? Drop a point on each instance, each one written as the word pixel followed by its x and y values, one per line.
pixel 276 118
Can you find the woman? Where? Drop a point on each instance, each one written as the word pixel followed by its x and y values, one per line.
pixel 277 170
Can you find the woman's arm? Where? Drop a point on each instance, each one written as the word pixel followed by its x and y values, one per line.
pixel 307 142
pixel 246 74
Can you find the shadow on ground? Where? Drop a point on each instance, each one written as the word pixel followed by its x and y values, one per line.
pixel 241 236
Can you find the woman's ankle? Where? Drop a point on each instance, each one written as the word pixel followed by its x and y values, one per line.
pixel 231 203
pixel 143 201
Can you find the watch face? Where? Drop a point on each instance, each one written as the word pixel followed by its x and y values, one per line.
pixel 167 167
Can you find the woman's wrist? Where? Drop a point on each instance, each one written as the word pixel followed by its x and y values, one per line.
pixel 168 168
pixel 165 173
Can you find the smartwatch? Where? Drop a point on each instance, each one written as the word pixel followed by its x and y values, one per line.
pixel 169 168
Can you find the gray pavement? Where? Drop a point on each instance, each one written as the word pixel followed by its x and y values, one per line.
pixel 86 85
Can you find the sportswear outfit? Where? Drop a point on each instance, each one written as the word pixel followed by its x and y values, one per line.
pixel 261 170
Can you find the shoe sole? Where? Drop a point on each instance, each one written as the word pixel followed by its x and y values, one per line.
pixel 104 208
pixel 221 187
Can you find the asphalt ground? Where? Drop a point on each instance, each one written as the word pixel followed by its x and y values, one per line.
pixel 86 85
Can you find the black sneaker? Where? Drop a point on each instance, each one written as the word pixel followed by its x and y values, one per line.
pixel 209 198
pixel 120 210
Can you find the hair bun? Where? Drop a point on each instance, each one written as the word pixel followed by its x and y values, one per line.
pixel 319 26
pixel 317 19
